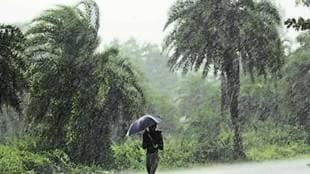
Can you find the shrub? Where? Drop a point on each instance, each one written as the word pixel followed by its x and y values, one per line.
pixel 265 133
pixel 129 155
pixel 215 147
pixel 271 141
pixel 177 153
pixel 270 152
pixel 25 154
pixel 13 160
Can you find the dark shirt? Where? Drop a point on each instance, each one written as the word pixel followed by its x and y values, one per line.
pixel 152 141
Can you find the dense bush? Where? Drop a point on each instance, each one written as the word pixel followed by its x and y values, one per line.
pixel 129 155
pixel 25 155
pixel 271 152
pixel 268 141
pixel 177 153
pixel 15 161
pixel 214 148
pixel 265 141
pixel 275 134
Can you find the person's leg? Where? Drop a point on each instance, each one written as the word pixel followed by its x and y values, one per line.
pixel 148 163
pixel 154 162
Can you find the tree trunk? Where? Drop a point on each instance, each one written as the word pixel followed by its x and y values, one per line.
pixel 233 89
pixel 224 96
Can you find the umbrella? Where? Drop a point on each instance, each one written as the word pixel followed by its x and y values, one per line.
pixel 142 123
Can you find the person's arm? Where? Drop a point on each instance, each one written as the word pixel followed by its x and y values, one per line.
pixel 144 143
pixel 161 142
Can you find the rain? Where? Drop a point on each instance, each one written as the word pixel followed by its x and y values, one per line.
pixel 165 86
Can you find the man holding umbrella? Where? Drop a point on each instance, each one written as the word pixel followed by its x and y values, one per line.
pixel 152 139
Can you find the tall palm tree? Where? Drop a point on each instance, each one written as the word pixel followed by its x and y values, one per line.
pixel 227 36
pixel 75 90
pixel 60 43
pixel 12 65
pixel 119 98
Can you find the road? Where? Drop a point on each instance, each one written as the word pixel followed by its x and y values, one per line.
pixel 276 167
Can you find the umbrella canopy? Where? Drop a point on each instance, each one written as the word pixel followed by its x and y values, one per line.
pixel 142 123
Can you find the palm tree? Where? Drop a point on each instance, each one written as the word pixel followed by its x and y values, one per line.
pixel 229 36
pixel 119 98
pixel 60 43
pixel 12 65
pixel 75 91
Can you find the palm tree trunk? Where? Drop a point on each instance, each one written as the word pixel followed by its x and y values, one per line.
pixel 233 82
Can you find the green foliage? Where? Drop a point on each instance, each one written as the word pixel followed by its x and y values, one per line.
pixel 177 153
pixel 303 2
pixel 12 66
pixel 201 34
pixel 76 94
pixel 211 136
pixel 26 155
pixel 300 23
pixel 157 81
pixel 87 170
pixel 161 105
pixel 15 161
pixel 225 35
pixel 81 99
pixel 270 141
pixel 272 152
pixel 60 56
pixel 129 155
pixel 204 124
pixel 275 134
pixel 197 94
pixel 152 63
pixel 296 83
pixel 217 147
pixel 260 100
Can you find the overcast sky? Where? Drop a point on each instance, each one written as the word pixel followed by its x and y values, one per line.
pixel 122 19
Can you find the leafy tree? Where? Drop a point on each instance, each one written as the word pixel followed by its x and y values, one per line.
pixel 60 43
pixel 297 82
pixel 76 93
pixel 207 129
pixel 152 63
pixel 158 82
pixel 197 94
pixel 261 100
pixel 228 35
pixel 300 23
pixel 12 66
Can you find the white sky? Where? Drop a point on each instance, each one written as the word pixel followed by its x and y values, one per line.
pixel 123 19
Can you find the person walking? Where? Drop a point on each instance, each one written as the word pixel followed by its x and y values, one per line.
pixel 152 142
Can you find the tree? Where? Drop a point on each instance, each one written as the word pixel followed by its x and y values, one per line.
pixel 229 36
pixel 297 83
pixel 158 82
pixel 152 63
pixel 300 23
pixel 60 43
pixel 12 66
pixel 75 92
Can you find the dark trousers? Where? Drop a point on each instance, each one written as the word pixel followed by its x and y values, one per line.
pixel 152 162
